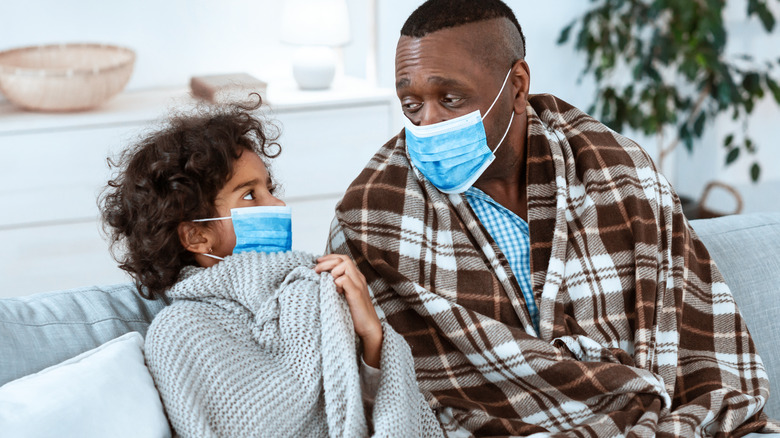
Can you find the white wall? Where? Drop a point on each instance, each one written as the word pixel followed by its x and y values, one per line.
pixel 173 39
pixel 176 39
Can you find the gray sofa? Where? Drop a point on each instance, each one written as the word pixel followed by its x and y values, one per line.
pixel 47 328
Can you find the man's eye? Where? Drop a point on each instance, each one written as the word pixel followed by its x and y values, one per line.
pixel 411 106
pixel 249 196
pixel 451 100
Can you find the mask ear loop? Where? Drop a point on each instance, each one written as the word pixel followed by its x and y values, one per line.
pixel 208 220
pixel 212 219
pixel 213 256
pixel 499 93
pixel 512 117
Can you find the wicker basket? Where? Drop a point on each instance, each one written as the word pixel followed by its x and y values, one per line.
pixel 699 210
pixel 65 77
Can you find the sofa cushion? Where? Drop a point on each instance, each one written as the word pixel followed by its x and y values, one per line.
pixel 107 391
pixel 44 329
pixel 746 249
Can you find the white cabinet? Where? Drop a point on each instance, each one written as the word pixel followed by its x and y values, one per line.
pixel 52 176
pixel 53 166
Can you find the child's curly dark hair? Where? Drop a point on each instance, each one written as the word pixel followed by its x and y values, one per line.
pixel 171 176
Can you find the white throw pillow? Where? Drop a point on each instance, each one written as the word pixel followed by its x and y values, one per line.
pixel 103 392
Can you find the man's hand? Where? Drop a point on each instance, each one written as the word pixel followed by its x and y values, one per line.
pixel 350 282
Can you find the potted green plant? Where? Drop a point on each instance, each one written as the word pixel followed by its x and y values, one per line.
pixel 660 68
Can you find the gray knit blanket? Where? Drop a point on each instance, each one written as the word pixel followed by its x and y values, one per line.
pixel 261 345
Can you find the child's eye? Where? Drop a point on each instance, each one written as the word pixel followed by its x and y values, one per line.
pixel 249 196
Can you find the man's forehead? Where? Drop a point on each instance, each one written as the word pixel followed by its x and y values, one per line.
pixel 441 45
pixel 435 62
pixel 443 58
pixel 468 40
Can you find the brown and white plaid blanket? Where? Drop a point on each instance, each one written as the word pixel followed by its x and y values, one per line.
pixel 640 335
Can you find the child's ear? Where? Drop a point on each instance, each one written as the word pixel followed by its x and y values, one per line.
pixel 194 238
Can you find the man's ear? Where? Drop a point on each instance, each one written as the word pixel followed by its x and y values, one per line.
pixel 194 238
pixel 521 81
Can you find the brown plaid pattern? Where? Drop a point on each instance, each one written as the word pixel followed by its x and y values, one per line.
pixel 640 335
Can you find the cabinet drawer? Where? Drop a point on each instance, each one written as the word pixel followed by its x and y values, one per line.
pixel 56 176
pixel 323 151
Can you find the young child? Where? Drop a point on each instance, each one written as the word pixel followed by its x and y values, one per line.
pixel 257 340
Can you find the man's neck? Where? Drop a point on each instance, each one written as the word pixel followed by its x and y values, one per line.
pixel 505 180
pixel 509 192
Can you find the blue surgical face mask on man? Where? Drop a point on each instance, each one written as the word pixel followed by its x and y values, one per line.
pixel 453 154
pixel 262 228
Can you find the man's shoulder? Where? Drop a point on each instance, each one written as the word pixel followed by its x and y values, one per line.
pixel 586 134
pixel 555 105
pixel 388 167
pixel 559 114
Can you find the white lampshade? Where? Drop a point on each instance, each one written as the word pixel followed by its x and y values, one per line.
pixel 316 26
pixel 315 22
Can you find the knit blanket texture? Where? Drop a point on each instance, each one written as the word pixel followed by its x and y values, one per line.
pixel 639 333
pixel 261 345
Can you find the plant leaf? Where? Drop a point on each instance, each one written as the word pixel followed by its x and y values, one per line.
pixel 748 104
pixel 752 6
pixel 688 143
pixel 729 140
pixel 724 95
pixel 755 172
pixel 565 33
pixel 732 156
pixel 749 146
pixel 752 84
pixel 686 137
pixel 766 17
pixel 774 88
pixel 719 36
pixel 758 7
pixel 698 125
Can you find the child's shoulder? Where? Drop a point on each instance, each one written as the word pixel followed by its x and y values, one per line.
pixel 200 336
pixel 195 317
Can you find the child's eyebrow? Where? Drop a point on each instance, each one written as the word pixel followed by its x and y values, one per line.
pixel 249 183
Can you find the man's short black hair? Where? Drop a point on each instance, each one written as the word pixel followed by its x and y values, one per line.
pixel 436 15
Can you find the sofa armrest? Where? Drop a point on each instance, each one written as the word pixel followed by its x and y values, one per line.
pixel 746 249
pixel 44 329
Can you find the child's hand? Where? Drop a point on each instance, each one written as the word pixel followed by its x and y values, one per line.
pixel 350 282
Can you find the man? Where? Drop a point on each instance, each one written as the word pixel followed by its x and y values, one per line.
pixel 538 266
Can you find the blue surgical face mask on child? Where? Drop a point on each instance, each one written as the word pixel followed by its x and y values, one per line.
pixel 260 229
pixel 454 153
